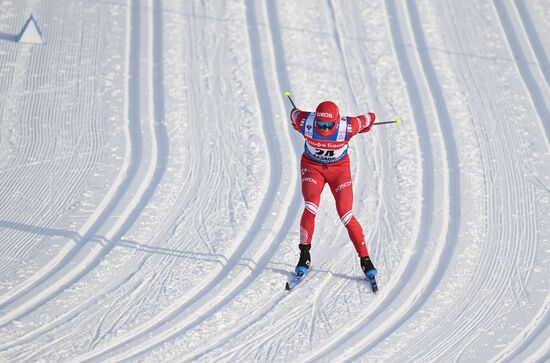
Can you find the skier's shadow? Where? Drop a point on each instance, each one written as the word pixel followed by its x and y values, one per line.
pixel 45 231
pixel 277 267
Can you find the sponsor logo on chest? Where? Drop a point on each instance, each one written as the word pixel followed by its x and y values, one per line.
pixel 325 144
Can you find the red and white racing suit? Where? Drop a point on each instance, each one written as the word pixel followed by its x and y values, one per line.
pixel 326 160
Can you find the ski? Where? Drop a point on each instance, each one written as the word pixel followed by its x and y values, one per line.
pixel 372 279
pixel 300 274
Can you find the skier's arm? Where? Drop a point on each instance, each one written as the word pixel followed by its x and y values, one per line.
pixel 297 118
pixel 367 122
pixel 361 124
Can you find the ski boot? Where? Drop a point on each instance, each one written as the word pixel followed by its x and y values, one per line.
pixel 302 267
pixel 305 259
pixel 370 272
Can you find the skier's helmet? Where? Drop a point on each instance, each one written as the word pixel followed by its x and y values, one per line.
pixel 327 115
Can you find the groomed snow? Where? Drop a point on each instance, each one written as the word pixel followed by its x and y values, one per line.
pixel 150 193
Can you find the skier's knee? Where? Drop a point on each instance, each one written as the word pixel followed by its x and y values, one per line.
pixel 312 208
pixel 346 218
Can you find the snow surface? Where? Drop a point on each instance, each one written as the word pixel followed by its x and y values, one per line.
pixel 150 192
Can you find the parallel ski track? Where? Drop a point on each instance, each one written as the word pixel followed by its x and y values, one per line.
pixel 531 77
pixel 535 44
pixel 371 337
pixel 379 304
pixel 247 348
pixel 521 190
pixel 424 221
pixel 159 170
pixel 201 305
pixel 476 314
pixel 479 315
pixel 533 330
pixel 146 188
pixel 90 319
pixel 539 97
pixel 41 158
pixel 444 254
pixel 267 307
pixel 170 225
pixel 446 342
pixel 73 178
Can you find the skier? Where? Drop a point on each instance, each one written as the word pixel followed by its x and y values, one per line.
pixel 326 160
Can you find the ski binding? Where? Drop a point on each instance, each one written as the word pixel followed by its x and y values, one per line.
pixel 371 276
pixel 301 272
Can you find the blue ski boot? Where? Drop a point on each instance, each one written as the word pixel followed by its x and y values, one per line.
pixel 370 272
pixel 302 267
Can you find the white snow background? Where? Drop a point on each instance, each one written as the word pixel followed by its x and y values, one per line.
pixel 150 191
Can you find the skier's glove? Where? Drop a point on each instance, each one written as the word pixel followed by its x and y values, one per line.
pixel 369 121
pixel 294 118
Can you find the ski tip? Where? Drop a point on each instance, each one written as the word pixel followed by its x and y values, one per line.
pixel 287 287
pixel 398 121
pixel 287 93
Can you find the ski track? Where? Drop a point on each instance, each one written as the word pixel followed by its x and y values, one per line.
pixel 178 219
pixel 43 156
pixel 511 20
pixel 254 318
pixel 282 80
pixel 237 290
pixel 159 165
pixel 429 283
pixel 455 332
pixel 270 329
pixel 68 316
pixel 379 305
pixel 202 301
pixel 321 285
pixel 154 171
pixel 484 314
pixel 80 239
pixel 533 330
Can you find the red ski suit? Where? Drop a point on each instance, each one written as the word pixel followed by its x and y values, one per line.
pixel 325 160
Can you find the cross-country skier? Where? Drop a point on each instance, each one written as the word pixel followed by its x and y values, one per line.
pixel 326 160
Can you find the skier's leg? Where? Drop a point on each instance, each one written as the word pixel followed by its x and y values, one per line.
pixel 312 186
pixel 342 190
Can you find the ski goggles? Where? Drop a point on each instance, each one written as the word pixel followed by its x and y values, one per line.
pixel 325 125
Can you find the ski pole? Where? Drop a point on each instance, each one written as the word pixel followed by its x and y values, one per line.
pixel 397 121
pixel 288 95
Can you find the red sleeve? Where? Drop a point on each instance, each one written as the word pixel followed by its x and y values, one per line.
pixel 298 117
pixel 360 124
